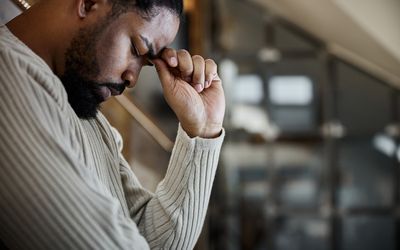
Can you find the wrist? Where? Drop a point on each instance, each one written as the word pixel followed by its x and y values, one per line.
pixel 207 132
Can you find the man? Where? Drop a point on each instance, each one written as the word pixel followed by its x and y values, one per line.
pixel 63 182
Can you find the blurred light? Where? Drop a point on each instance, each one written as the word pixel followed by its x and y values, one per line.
pixel 250 118
pixel 189 5
pixel 290 90
pixel 269 55
pixel 248 89
pixel 253 119
pixel 333 129
pixel 317 229
pixel 228 71
pixel 393 130
pixel 384 144
pixel 255 190
pixel 299 191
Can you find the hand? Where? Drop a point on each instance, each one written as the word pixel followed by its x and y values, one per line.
pixel 193 90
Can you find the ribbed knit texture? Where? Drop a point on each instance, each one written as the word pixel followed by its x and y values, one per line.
pixel 64 183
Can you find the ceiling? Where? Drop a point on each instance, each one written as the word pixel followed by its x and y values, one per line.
pixel 363 32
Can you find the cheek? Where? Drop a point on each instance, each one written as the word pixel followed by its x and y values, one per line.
pixel 111 50
pixel 112 59
pixel 115 58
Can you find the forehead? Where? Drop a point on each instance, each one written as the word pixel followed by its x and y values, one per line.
pixel 160 29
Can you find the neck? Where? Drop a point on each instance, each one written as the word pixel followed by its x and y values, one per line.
pixel 42 36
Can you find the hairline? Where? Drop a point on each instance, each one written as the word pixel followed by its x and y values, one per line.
pixel 118 9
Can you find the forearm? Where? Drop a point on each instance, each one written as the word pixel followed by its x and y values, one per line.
pixel 174 217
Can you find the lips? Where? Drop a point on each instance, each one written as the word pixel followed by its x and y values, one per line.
pixel 116 90
pixel 107 89
pixel 104 92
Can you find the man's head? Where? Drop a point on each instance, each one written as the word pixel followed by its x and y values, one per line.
pixel 114 40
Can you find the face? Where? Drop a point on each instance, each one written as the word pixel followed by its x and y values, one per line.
pixel 106 57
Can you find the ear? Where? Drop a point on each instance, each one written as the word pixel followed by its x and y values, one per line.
pixel 87 6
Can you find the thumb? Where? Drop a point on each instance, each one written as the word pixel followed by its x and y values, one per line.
pixel 163 72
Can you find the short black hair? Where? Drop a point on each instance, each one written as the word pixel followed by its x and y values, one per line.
pixel 146 7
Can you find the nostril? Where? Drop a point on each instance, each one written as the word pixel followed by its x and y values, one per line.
pixel 129 78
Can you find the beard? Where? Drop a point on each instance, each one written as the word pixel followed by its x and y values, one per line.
pixel 82 95
pixel 81 66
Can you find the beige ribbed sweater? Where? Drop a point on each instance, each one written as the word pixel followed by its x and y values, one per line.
pixel 64 183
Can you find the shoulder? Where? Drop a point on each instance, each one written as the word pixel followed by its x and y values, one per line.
pixel 26 73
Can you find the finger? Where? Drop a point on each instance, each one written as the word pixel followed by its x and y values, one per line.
pixel 185 65
pixel 163 72
pixel 198 73
pixel 170 56
pixel 210 72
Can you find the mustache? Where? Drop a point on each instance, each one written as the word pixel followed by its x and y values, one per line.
pixel 116 88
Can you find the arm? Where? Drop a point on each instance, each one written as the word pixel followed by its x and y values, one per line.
pixel 172 218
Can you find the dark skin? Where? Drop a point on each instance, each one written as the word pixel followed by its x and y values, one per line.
pixel 191 84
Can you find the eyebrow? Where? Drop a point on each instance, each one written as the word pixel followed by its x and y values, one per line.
pixel 151 52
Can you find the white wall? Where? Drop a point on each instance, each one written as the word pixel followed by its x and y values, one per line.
pixel 380 18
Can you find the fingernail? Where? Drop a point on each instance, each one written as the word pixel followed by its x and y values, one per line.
pixel 173 61
pixel 206 84
pixel 198 88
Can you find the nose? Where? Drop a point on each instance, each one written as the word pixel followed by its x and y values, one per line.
pixel 131 73
pixel 129 78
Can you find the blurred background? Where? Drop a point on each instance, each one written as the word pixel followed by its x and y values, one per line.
pixel 311 156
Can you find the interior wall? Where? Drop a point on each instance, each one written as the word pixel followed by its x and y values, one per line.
pixel 380 19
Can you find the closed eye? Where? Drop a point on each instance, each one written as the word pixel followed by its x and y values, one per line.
pixel 134 50
pixel 135 53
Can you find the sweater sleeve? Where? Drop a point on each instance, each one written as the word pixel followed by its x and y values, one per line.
pixel 172 217
pixel 45 203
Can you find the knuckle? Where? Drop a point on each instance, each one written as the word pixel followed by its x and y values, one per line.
pixel 182 52
pixel 210 62
pixel 197 58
